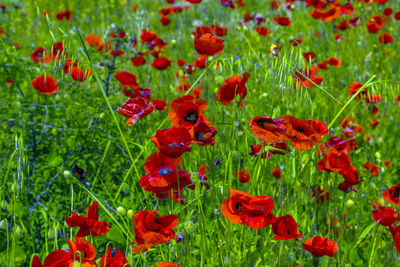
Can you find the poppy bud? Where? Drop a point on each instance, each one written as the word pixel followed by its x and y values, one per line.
pixel 4 204
pixel 276 172
pixel 18 230
pixel 101 115
pixel 244 175
pixel 51 234
pixel 378 155
pixel 173 42
pixel 130 213
pixel 189 227
pixel 125 188
pixel 3 224
pixel 350 203
pixel 121 211
pixel 67 174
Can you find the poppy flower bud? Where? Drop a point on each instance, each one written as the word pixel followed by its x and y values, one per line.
pixel 173 42
pixel 244 175
pixel 245 28
pixel 180 238
pixel 3 224
pixel 101 115
pixel 121 211
pixel 350 203
pixel 4 204
pixel 51 234
pixel 130 214
pixel 18 230
pixel 378 155
pixel 67 174
pixel 276 172
pixel 189 227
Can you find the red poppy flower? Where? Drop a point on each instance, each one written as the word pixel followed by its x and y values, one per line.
pixel 334 61
pixel 208 44
pixel 372 168
pixel 387 163
pixel 234 85
pixel 87 251
pixel 309 56
pixel 147 36
pixel 194 1
pixel 323 65
pixel 40 55
pixel 354 87
pixel 173 142
pixel 94 40
pixel 138 61
pixel 203 133
pixel 388 12
pixel 276 172
pixel 57 50
pixel 319 4
pixel 187 111
pixel 304 134
pixel 385 216
pixel 80 74
pixel 243 175
pixel 334 161
pixel 256 149
pixel 64 14
pixel 167 264
pixel 385 38
pixel 242 208
pixel 219 31
pixel 295 42
pixel 119 53
pixel 340 144
pixel 113 258
pixel 159 104
pixel 45 85
pixel 397 15
pixel 395 230
pixel 262 30
pixel 320 246
pixel 309 72
pixel 285 227
pixel 392 194
pixel 268 129
pixel 323 195
pixel 375 23
pixel 283 21
pixel 328 15
pixel 126 79
pixel 161 63
pixel 88 224
pixel 134 109
pixel 55 258
pixel 373 99
pixel 150 230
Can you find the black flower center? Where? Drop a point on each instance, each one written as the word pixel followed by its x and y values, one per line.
pixel 191 117
pixel 200 137
pixel 238 206
pixel 396 192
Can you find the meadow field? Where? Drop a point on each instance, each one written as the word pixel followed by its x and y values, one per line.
pixel 199 133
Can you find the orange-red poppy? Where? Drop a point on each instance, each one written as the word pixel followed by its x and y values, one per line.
pixel 45 85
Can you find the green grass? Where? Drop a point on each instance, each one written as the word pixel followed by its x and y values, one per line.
pixel 41 136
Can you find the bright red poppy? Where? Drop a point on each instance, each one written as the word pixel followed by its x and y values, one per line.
pixel 285 227
pixel 161 63
pixel 385 38
pixel 372 168
pixel 262 30
pixel 57 50
pixel 45 85
pixel 134 109
pixel 243 175
pixel 234 85
pixel 167 264
pixel 320 246
pixel 138 61
pixel 88 224
pixel 354 87
pixel 126 79
pixel 392 194
pixel 276 172
pixel 113 258
pixel 375 23
pixel 283 21
pixel 268 129
pixel 173 142
pixel 40 55
pixel 80 74
pixel 242 208
pixel 203 133
pixel 385 216
pixel 309 72
pixel 395 230
pixel 64 14
pixel 150 230
pixel 159 104
pixel 208 44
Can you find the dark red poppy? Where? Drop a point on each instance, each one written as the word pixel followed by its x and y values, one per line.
pixel 243 175
pixel 283 21
pixel 397 15
pixel 147 36
pixel 138 61
pixel 375 23
pixel 55 258
pixel 373 99
pixel 322 194
pixel 159 104
pixel 119 53
pixel 319 4
pixel 327 15
pixel 126 79
pixel 334 61
pixel 80 74
pixel 57 50
pixel 268 129
pixel 40 55
pixel 304 134
pixel 161 63
pixel 385 216
pixel 262 30
pixel 369 166
pixel 320 246
pixel 208 44
pixel 203 133
pixel 309 56
pixel 310 73
pixel 113 258
pixel 354 87
pixel 134 109
pixel 234 85
pixel 219 31
pixel 276 172
pixel 392 194
pixel 187 111
pixel 295 42
pixel 340 144
pixel 194 1
pixel 64 14
pixel 387 12
pixel 385 38
pixel 323 65
pixel 150 230
pixel 242 208
pixel 45 85
pixel 88 224
pixel 173 142
pixel 285 227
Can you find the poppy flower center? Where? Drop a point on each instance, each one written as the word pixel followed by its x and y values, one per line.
pixel 175 145
pixel 200 137
pixel 39 54
pixel 113 252
pixel 262 123
pixel 396 192
pixel 191 117
pixel 288 232
pixel 301 130
pixel 164 171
